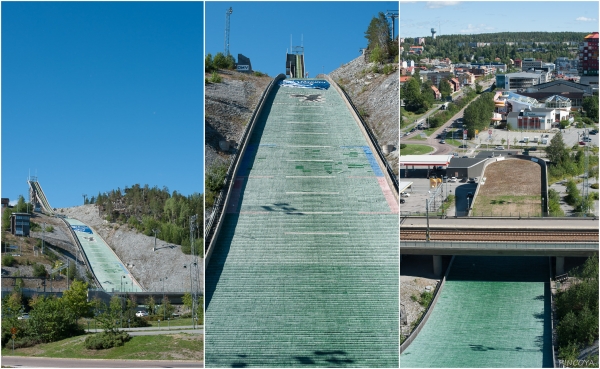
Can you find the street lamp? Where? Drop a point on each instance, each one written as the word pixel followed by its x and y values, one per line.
pixel 192 292
pixel 156 231
pixel 163 299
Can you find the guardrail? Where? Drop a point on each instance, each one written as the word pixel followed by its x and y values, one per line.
pixel 373 140
pixel 211 228
pixel 425 316
pixel 76 240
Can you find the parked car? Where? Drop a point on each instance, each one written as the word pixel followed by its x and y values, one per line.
pixel 402 201
pixel 587 139
pixel 452 179
pixel 471 180
pixel 442 141
pixel 445 179
pixel 499 147
pixel 404 194
pixel 24 316
pixel 582 143
pixel 141 314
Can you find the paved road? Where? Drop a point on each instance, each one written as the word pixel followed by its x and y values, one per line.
pixel 43 362
pixel 441 149
pixel 163 327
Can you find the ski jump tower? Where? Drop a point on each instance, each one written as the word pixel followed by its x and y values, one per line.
pixel 294 61
pixel 37 197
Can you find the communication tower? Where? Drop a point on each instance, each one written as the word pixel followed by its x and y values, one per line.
pixel 227 14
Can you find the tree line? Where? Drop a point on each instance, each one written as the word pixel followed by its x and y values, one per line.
pixel 456 47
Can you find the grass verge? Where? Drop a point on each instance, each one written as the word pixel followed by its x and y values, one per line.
pixel 160 347
pixel 416 150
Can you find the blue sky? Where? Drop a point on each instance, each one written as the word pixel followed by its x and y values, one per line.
pixel 101 95
pixel 333 32
pixel 472 17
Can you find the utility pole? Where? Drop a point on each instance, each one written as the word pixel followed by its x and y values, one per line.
pixel 84 196
pixel 156 231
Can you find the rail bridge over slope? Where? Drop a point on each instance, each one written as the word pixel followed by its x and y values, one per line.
pixel 514 237
pixel 304 269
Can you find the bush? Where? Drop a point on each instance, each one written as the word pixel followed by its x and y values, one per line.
pixel 106 340
pixel 388 68
pixel 402 146
pixel 594 186
pixel 259 74
pixel 8 260
pixel 39 270
pixel 49 229
pixel 426 298
pixel 215 78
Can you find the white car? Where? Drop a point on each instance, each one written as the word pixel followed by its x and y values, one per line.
pixel 25 316
pixel 141 314
pixel 404 194
pixel 452 179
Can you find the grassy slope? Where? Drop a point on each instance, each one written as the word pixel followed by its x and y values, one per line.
pixel 160 347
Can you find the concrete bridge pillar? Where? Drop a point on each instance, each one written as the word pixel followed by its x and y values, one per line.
pixel 560 265
pixel 437 265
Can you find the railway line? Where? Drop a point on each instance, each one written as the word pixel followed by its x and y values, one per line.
pixel 500 236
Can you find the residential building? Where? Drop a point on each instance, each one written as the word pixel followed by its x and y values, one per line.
pixel 520 80
pixel 419 40
pixel 531 63
pixel 436 93
pixel 588 55
pixel 416 50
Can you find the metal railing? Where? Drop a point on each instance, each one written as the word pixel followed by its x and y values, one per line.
pixel 218 207
pixel 591 246
pixel 80 247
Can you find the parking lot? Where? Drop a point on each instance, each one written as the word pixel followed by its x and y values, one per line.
pixel 420 191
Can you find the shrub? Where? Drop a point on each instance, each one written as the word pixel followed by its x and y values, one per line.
pixel 258 74
pixel 49 229
pixel 388 68
pixel 106 340
pixel 39 270
pixel 8 260
pixel 402 146
pixel 215 78
pixel 426 298
pixel 594 186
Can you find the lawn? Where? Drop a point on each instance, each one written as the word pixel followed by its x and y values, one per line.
pixel 160 347
pixel 512 188
pixel 416 150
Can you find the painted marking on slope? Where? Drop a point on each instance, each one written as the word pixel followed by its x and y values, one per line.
pixel 312 193
pixel 315 212
pixel 236 192
pixel 326 160
pixel 310 133
pixel 307 146
pixel 319 233
pixel 389 196
pixel 306 122
pixel 309 176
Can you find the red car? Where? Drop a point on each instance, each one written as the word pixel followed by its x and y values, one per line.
pixel 582 143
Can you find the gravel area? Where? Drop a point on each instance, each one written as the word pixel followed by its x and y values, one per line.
pixel 135 251
pixel 416 274
pixel 378 95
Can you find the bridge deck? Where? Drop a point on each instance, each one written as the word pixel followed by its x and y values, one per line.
pixel 305 271
pixel 499 248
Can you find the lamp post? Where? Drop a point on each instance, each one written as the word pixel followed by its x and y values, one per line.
pixel 122 277
pixel 163 299
pixel 192 292
pixel 156 231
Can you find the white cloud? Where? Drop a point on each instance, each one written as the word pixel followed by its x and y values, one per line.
pixel 13 202
pixel 478 28
pixel 584 19
pixel 440 4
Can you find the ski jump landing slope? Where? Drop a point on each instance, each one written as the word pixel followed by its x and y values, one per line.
pixel 105 264
pixel 305 269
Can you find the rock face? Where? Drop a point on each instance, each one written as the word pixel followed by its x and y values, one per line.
pixel 377 95
pixel 228 107
pixel 135 251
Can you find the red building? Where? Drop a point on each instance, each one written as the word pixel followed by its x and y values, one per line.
pixel 588 55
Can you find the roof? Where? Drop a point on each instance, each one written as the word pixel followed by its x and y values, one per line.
pixel 404 185
pixel 425 160
pixel 591 35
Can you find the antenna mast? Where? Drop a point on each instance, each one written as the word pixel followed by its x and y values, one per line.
pixel 227 14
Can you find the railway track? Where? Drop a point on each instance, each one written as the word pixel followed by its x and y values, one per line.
pixel 499 236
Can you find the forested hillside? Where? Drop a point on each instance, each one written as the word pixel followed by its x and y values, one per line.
pixel 147 209
pixel 548 46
